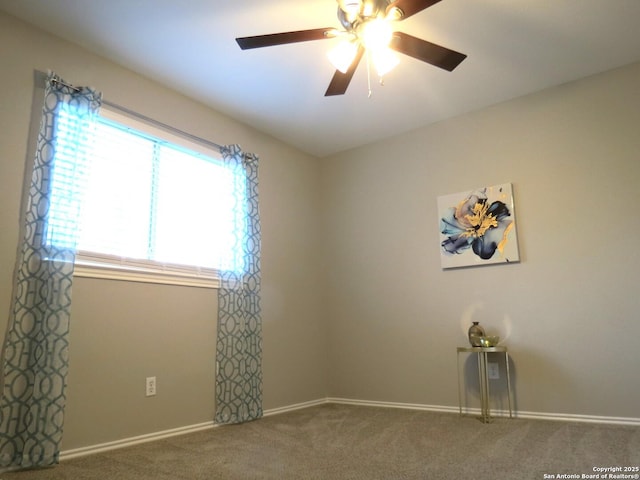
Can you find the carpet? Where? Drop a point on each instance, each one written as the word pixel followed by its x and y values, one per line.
pixel 346 442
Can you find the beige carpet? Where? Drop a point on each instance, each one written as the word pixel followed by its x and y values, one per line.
pixel 364 443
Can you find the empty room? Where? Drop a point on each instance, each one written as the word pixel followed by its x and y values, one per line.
pixel 365 239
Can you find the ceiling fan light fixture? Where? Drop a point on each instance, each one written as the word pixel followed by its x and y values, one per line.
pixel 368 27
pixel 341 56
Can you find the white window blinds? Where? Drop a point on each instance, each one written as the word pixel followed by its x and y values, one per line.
pixel 152 204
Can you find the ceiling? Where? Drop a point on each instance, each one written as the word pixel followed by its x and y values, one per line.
pixel 514 47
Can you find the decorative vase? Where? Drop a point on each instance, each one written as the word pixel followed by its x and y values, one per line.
pixel 476 332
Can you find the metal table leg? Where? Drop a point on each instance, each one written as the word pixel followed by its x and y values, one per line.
pixel 484 387
pixel 506 359
pixel 459 395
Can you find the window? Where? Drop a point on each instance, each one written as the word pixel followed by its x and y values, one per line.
pixel 157 206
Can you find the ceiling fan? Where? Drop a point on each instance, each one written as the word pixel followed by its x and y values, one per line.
pixel 367 27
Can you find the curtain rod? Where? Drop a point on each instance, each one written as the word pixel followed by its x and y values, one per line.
pixel 144 118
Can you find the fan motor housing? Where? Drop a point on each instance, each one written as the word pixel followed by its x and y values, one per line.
pixel 353 13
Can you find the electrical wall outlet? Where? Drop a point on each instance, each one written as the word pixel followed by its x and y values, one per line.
pixel 493 371
pixel 151 386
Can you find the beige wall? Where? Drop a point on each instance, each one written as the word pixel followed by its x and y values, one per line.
pixel 569 310
pixel 123 332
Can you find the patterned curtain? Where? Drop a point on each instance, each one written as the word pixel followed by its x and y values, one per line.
pixel 239 337
pixel 35 354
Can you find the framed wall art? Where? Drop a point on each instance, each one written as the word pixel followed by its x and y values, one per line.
pixel 478 227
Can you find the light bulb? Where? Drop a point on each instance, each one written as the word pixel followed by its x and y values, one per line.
pixel 376 34
pixel 342 55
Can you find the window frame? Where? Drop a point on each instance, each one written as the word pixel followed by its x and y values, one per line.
pixel 113 267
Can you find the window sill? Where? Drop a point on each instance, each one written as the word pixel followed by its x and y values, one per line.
pixel 85 269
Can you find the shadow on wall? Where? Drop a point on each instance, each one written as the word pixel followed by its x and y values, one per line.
pixel 498 387
pixel 550 379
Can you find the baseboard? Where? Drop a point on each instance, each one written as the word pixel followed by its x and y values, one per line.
pixel 406 406
pixel 560 417
pixel 128 442
pixel 419 406
pixel 567 417
pixel 296 406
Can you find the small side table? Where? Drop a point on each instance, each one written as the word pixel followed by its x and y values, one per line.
pixel 483 377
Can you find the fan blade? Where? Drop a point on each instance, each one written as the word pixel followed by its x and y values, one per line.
pixel 426 51
pixel 411 7
pixel 340 81
pixel 285 37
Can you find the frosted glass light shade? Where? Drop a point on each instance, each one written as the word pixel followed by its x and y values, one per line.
pixel 384 60
pixel 342 55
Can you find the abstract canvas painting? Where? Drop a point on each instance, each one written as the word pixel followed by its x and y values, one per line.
pixel 478 227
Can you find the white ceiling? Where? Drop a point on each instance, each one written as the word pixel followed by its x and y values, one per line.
pixel 514 47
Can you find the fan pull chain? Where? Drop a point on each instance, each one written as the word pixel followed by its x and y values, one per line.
pixel 369 74
pixel 381 79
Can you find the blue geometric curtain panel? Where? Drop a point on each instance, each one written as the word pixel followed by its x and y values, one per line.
pixel 239 334
pixel 35 353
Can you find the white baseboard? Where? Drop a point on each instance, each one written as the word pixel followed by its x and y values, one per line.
pixel 406 406
pixel 128 442
pixel 562 417
pixel 296 406
pixel 567 417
